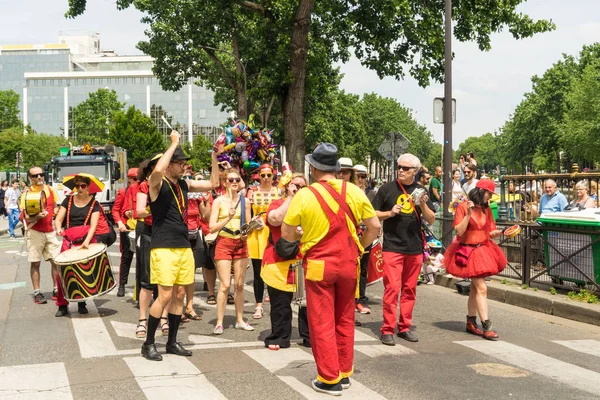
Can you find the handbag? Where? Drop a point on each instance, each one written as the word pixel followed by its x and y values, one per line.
pixel 193 235
pixel 463 253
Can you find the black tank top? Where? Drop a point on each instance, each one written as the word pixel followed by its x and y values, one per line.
pixel 169 230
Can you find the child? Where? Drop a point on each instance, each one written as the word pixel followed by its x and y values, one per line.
pixel 434 261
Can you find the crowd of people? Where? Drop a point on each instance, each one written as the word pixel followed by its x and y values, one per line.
pixel 307 244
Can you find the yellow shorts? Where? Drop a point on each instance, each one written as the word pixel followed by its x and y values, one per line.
pixel 170 267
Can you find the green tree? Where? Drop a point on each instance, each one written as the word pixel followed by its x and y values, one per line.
pixel 36 148
pixel 200 153
pixel 93 118
pixel 9 109
pixel 264 49
pixel 135 131
pixel 486 149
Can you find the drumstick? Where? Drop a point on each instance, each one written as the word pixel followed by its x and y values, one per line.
pixel 166 122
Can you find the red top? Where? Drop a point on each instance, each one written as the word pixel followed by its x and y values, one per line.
pixel 476 230
pixel 130 199
pixel 118 210
pixel 144 188
pixel 275 230
pixel 193 213
pixel 102 227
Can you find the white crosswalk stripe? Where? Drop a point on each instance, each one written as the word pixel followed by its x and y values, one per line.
pixel 591 347
pixel 572 375
pixel 35 382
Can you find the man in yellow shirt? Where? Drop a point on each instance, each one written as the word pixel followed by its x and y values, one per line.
pixel 329 212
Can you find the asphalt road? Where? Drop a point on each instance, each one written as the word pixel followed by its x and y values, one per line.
pixel 97 356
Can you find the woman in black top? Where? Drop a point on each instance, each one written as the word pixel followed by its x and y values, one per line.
pixel 3 188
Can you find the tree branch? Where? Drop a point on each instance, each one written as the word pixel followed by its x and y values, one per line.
pixel 252 6
pixel 226 74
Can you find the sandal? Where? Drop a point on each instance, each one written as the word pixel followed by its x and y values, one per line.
pixel 230 299
pixel 258 313
pixel 193 316
pixel 165 327
pixel 273 347
pixel 140 329
pixel 184 319
pixel 212 300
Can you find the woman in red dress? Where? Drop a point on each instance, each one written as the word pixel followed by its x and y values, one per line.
pixel 474 255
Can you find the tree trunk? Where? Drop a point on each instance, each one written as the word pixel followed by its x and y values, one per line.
pixel 293 99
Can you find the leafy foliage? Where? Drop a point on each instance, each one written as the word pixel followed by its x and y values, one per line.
pixel 37 149
pixel 200 153
pixel 9 109
pixel 134 131
pixel 486 151
pixel 93 118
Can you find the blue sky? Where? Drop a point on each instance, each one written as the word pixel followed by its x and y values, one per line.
pixel 488 86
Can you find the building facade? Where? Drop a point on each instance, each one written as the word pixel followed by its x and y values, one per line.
pixel 54 78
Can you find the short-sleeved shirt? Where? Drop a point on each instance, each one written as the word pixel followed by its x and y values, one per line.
pixel 467 187
pixel 44 224
pixel 556 203
pixel 78 215
pixel 435 183
pixel 305 211
pixel 169 229
pixel 402 232
pixel 11 198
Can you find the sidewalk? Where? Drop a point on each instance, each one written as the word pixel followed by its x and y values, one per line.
pixel 4 227
pixel 540 301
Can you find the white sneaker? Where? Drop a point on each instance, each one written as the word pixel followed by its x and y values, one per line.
pixel 218 330
pixel 244 326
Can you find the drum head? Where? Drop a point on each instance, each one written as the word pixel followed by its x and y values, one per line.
pixel 77 253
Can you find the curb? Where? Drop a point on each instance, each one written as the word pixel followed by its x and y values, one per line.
pixel 557 305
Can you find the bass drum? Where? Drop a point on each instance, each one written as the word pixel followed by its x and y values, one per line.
pixel 85 273
pixel 35 202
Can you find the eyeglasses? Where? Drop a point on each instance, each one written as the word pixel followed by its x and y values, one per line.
pixel 81 185
pixel 266 175
pixel 468 172
pixel 231 180
pixel 405 168
pixel 37 175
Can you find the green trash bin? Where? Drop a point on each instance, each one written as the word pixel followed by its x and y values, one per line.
pixel 569 243
pixel 494 208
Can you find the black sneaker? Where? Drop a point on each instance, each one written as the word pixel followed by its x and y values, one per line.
pixel 408 335
pixel 82 308
pixel 39 298
pixel 121 291
pixel 345 382
pixel 334 389
pixel 388 339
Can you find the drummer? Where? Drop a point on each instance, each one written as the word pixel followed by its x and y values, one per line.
pixel 121 215
pixel 77 221
pixel 41 240
pixel 275 272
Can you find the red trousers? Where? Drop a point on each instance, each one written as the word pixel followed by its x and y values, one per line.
pixel 400 274
pixel 330 305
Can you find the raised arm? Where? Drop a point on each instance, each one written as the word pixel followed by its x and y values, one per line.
pixel 155 180
pixel 206 186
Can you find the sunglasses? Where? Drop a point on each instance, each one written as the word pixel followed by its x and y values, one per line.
pixel 345 172
pixel 37 175
pixel 468 172
pixel 188 177
pixel 266 175
pixel 404 168
pixel 361 176
pixel 81 185
pixel 231 180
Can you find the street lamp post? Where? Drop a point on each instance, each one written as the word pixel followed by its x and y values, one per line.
pixel 447 222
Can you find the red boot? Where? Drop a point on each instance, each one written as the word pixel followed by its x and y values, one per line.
pixel 472 327
pixel 488 333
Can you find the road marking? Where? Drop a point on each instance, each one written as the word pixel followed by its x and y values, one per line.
pixel 591 347
pixel 91 333
pixel 380 350
pixel 572 375
pixel 12 285
pixel 204 339
pixel 173 378
pixel 127 330
pixel 297 358
pixel 363 337
pixel 33 382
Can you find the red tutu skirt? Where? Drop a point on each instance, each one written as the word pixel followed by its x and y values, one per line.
pixel 487 259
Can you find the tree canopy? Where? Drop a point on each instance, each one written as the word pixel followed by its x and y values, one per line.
pixel 9 109
pixel 36 148
pixel 93 118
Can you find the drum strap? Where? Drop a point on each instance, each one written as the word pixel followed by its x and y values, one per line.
pixel 86 218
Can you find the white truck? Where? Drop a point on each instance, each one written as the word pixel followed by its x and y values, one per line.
pixel 107 163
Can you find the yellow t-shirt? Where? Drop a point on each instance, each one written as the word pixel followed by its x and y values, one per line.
pixel 306 212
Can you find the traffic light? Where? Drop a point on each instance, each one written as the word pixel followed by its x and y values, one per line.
pixel 19 159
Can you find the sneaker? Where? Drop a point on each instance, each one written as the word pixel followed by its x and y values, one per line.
pixel 388 339
pixel 362 309
pixel 218 330
pixel 121 291
pixel 13 237
pixel 39 298
pixel 327 388
pixel 55 294
pixel 408 336
pixel 244 326
pixel 345 382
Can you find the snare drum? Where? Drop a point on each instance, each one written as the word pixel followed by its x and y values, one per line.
pixel 85 273
pixel 131 237
pixel 35 202
pixel 299 296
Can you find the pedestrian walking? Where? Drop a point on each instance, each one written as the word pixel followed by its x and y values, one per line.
pixel 329 213
pixel 3 189
pixel 474 255
pixel 402 205
pixel 11 198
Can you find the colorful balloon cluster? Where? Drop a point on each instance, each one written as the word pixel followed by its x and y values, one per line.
pixel 247 147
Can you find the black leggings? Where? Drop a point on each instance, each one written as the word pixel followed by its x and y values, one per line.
pixel 259 284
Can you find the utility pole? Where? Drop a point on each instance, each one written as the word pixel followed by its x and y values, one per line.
pixel 447 223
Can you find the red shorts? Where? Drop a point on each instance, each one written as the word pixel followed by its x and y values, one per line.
pixel 230 249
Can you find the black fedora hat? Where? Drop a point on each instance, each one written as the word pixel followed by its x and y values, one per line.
pixel 324 158
pixel 179 155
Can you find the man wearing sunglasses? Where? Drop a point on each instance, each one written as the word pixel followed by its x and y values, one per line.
pixel 471 180
pixel 171 258
pixel 401 209
pixel 41 240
